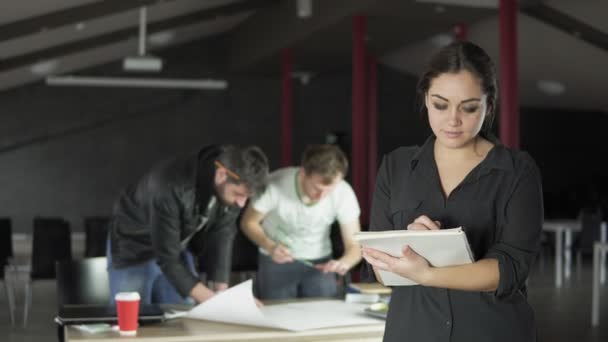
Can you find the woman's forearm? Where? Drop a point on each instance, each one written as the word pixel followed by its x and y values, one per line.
pixel 482 275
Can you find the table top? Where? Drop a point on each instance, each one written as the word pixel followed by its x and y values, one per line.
pixel 184 330
pixel 562 225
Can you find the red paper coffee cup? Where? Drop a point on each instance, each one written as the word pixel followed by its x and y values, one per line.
pixel 127 308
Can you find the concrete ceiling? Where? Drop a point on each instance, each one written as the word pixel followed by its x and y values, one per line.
pixel 78 34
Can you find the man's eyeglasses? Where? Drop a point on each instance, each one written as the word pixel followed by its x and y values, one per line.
pixel 228 171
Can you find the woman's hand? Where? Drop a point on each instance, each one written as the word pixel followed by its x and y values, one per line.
pixel 424 223
pixel 410 265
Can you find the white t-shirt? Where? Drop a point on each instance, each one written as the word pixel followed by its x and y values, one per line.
pixel 304 229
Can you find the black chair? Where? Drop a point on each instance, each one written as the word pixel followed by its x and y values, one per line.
pixel 51 242
pixel 96 235
pixel 244 257
pixel 6 256
pixel 591 222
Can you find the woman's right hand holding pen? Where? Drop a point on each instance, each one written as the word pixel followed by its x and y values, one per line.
pixel 423 222
pixel 280 254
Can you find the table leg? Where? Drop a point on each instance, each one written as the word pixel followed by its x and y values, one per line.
pixel 603 237
pixel 558 258
pixel 568 254
pixel 595 293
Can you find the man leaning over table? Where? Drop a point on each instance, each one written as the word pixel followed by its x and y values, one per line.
pixel 291 223
pixel 181 206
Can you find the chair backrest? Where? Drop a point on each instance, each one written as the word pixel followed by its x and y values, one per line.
pixel 96 235
pixel 51 242
pixel 337 244
pixel 244 254
pixel 6 243
pixel 591 221
pixel 83 281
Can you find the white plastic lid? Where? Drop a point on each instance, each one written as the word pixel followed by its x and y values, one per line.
pixel 127 296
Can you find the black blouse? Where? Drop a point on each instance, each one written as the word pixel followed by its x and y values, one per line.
pixel 499 205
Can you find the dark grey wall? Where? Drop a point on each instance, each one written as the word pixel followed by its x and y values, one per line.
pixel 68 151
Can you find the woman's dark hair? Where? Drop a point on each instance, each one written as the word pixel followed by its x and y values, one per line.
pixel 460 56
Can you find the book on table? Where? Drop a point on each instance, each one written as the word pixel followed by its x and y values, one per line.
pixel 444 247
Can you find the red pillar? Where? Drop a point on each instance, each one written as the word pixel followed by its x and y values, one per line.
pixel 460 32
pixel 286 107
pixel 359 109
pixel 372 128
pixel 509 101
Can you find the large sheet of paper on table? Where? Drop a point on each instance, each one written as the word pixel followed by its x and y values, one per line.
pixel 444 247
pixel 237 305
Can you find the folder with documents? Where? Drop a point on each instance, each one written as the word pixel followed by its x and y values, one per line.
pixel 445 247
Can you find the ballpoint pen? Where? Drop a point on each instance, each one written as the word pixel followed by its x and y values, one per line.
pixel 287 241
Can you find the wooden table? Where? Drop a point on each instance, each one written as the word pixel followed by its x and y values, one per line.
pixel 185 330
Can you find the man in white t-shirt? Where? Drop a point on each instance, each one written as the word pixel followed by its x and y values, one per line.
pixel 291 222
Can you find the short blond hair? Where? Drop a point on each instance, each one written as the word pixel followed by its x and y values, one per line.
pixel 325 160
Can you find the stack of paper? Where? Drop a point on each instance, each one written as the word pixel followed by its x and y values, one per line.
pixel 237 305
pixel 444 247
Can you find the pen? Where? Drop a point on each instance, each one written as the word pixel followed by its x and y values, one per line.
pixel 287 242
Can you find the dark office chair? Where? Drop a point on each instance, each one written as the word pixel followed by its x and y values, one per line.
pixel 6 255
pixel 337 248
pixel 244 257
pixel 81 282
pixel 96 236
pixel 51 242
pixel 591 221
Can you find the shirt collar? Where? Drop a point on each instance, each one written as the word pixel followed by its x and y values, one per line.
pixel 498 158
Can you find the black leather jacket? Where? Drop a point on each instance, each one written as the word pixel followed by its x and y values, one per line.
pixel 166 212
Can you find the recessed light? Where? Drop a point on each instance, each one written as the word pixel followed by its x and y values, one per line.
pixel 161 38
pixel 80 26
pixel 442 39
pixel 550 87
pixel 44 67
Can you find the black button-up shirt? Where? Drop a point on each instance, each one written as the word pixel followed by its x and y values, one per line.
pixel 499 205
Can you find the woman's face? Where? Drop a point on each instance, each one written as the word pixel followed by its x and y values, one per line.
pixel 456 107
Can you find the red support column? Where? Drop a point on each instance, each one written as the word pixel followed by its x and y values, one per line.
pixel 509 101
pixel 461 32
pixel 359 109
pixel 372 128
pixel 286 107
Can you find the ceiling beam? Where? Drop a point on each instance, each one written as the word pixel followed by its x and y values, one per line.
pixel 125 34
pixel 567 24
pixel 69 16
pixel 267 32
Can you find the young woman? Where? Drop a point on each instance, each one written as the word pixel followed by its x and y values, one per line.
pixel 461 176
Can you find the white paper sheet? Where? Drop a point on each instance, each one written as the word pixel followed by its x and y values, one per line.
pixel 236 305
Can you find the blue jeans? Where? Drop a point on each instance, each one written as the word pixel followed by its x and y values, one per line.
pixel 293 280
pixel 147 279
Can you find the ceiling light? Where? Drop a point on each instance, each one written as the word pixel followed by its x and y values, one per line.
pixel 304 8
pixel 129 82
pixel 161 38
pixel 80 26
pixel 467 3
pixel 44 68
pixel 439 9
pixel 442 39
pixel 550 87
